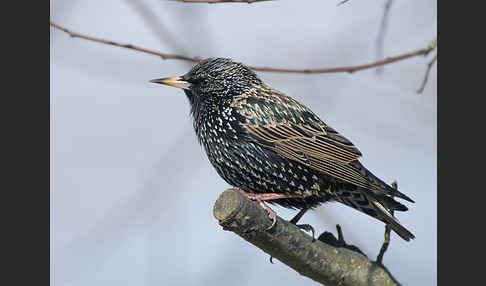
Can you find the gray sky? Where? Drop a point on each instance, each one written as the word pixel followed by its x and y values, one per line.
pixel 131 190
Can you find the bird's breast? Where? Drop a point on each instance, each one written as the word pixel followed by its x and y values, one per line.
pixel 241 162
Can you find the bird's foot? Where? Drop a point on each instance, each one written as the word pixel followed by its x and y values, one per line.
pixel 305 227
pixel 261 198
pixel 308 228
pixel 271 213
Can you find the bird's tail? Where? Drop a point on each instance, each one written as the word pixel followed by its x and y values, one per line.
pixel 379 207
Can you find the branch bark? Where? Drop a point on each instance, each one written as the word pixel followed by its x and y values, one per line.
pixel 324 263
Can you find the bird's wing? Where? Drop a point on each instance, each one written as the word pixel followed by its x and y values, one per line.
pixel 318 149
pixel 320 142
pixel 280 123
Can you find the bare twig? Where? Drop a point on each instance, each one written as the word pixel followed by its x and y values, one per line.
pixel 154 22
pixel 128 46
pixel 426 77
pixel 166 56
pixel 386 242
pixel 220 1
pixel 381 34
pixel 349 69
pixel 322 262
pixel 384 246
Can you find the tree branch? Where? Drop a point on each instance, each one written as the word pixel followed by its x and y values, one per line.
pixel 381 34
pixel 386 242
pixel 317 260
pixel 164 56
pixel 427 72
pixel 220 1
pixel 167 56
pixel 154 23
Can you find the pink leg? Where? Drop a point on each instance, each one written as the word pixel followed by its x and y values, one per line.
pixel 261 198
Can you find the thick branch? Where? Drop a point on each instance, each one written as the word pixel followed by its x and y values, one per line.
pixel 166 56
pixel 317 260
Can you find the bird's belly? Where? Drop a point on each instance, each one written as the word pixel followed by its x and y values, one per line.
pixel 258 170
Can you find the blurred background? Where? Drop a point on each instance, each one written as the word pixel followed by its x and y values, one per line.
pixel 132 192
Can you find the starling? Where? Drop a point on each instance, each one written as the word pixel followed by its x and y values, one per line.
pixel 272 148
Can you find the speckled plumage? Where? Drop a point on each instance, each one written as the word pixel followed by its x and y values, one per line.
pixel 262 141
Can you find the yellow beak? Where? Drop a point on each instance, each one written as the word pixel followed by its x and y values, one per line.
pixel 173 81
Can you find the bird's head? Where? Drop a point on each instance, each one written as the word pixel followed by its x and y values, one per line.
pixel 213 79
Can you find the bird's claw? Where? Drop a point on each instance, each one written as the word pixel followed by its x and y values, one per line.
pixel 273 216
pixel 308 228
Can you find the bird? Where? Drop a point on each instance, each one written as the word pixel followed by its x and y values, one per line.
pixel 274 149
